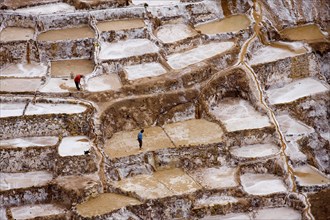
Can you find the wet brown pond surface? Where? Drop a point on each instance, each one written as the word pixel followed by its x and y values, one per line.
pixel 229 24
pixel 67 34
pixel 65 67
pixel 309 33
pixel 16 34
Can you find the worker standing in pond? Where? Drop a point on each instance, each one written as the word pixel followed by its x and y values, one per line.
pixel 77 81
pixel 140 136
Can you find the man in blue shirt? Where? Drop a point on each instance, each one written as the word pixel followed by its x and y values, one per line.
pixel 140 136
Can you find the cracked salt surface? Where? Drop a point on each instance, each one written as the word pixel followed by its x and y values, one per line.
pixel 170 33
pixel 262 184
pixel 295 90
pixel 255 150
pixel 214 200
pixel 126 48
pixel 45 9
pixel 34 211
pixel 120 25
pixel 51 108
pixel 74 146
pixel 238 114
pixel 230 216
pixel 24 180
pixel 290 126
pixel 24 70
pixel 215 177
pixel 143 70
pixel 198 54
pixel 25 142
pixel 11 109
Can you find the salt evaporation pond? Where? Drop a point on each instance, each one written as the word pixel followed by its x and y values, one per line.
pixel 194 132
pixel 309 176
pixel 58 85
pixel 170 33
pixel 11 109
pixel 290 126
pixel 61 68
pixel 29 142
pixel 255 150
pixel 124 143
pixel 214 200
pixel 155 3
pixel 309 33
pixel 143 70
pixel 269 54
pixel 75 33
pixel 230 24
pixel 24 70
pixel 9 34
pixel 238 114
pixel 126 48
pixel 54 108
pixel 103 83
pixel 104 203
pixel 198 54
pixel 215 177
pixel 262 184
pixel 46 9
pixel 74 146
pixel 24 180
pixel 230 216
pixel 295 90
pixel 36 210
pixel 120 25
pixel 283 213
pixel 20 84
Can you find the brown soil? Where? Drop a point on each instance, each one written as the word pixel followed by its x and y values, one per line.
pixel 320 204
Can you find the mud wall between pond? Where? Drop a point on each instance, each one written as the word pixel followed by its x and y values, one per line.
pixel 18 52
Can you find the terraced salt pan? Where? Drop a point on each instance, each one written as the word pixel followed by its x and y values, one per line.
pixel 19 85
pixel 155 3
pixel 255 151
pixel 170 33
pixel 231 216
pixel 270 54
pixel 34 211
pixel 230 24
pixel 53 108
pixel 11 109
pixel 120 25
pixel 9 34
pixel 309 176
pixel 177 181
pixel 24 180
pixel 103 83
pixel 65 67
pixel 104 203
pixel 126 48
pixel 75 33
pixel 214 200
pixel 262 184
pixel 295 90
pixel 59 85
pixel 283 213
pixel 309 33
pixel 25 142
pixel 215 177
pixel 73 146
pixel 46 9
pixel 143 70
pixel 145 186
pixel 125 143
pixel 237 114
pixel 198 54
pixel 194 132
pixel 290 126
pixel 24 70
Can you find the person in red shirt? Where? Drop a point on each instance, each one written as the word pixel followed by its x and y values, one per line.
pixel 77 80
